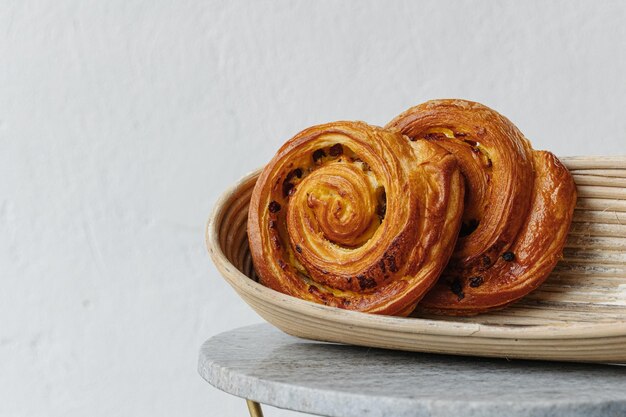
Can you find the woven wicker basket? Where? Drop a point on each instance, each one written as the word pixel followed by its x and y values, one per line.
pixel 578 314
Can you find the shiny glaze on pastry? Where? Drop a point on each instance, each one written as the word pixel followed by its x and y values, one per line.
pixel 357 217
pixel 518 206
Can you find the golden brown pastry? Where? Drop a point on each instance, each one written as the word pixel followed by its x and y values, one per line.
pixel 518 206
pixel 355 216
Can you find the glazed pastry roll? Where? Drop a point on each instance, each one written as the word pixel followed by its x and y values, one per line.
pixel 357 217
pixel 518 206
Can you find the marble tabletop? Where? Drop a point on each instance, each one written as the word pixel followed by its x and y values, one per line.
pixel 263 364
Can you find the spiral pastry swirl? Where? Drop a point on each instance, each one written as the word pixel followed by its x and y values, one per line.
pixel 357 217
pixel 518 206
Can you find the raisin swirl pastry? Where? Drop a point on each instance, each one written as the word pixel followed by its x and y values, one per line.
pixel 518 206
pixel 355 216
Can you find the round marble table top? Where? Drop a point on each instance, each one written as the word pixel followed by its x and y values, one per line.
pixel 263 364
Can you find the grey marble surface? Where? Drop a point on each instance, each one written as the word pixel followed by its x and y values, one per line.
pixel 263 364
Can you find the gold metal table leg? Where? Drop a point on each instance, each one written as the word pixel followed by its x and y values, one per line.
pixel 254 408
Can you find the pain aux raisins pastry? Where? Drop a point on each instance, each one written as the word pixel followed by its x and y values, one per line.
pixel 355 216
pixel 518 206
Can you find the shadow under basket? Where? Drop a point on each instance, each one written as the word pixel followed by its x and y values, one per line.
pixel 578 314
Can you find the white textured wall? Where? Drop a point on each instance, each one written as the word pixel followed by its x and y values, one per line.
pixel 122 121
